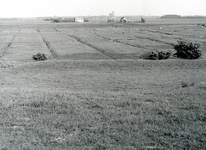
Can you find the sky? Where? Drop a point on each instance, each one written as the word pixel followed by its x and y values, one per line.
pixel 41 8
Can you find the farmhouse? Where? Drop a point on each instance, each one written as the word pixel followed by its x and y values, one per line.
pixel 78 19
pixel 123 20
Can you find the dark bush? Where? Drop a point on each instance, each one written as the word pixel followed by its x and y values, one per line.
pixel 86 20
pixel 68 20
pixel 57 20
pixel 39 57
pixel 164 55
pixel 187 50
pixel 154 55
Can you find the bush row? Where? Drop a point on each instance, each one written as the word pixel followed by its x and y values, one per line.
pixel 185 49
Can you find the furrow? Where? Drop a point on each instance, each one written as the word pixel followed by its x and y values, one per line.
pixel 138 46
pixel 117 41
pixel 8 45
pixel 154 40
pixel 90 45
pixel 87 44
pixel 166 33
pixel 49 47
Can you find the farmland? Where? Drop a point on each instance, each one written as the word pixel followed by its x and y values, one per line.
pixel 95 91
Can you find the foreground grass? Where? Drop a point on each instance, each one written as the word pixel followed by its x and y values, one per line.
pixel 139 108
pixel 111 120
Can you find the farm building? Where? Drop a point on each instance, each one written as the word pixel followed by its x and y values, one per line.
pixel 170 17
pixel 78 19
pixel 111 17
pixel 123 19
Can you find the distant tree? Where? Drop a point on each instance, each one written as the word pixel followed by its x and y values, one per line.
pixel 56 20
pixel 59 19
pixel 110 20
pixel 142 20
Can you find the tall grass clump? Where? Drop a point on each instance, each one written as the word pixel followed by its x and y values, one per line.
pixel 188 50
pixel 39 57
pixel 154 55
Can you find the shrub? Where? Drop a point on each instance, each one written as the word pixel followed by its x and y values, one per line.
pixel 187 50
pixel 39 57
pixel 86 20
pixel 68 19
pixel 57 20
pixel 164 55
pixel 154 55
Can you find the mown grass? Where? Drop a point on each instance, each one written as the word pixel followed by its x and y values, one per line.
pixel 103 105
pixel 105 120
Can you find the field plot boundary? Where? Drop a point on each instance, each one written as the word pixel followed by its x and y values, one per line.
pixel 8 45
pixel 155 31
pixel 133 64
pixel 117 41
pixel 135 37
pixel 48 46
pixel 86 43
pixel 127 53
pixel 90 45
pixel 151 39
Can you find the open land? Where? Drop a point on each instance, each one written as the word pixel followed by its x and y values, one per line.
pixel 95 91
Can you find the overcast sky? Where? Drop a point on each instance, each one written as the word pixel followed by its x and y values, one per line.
pixel 37 8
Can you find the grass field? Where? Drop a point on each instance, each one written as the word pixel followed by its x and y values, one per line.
pixel 95 91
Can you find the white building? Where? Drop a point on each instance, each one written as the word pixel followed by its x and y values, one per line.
pixel 78 19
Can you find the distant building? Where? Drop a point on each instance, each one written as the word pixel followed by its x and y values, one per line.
pixel 170 17
pixel 123 20
pixel 111 17
pixel 78 19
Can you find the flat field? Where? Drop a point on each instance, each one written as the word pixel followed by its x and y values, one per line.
pixel 95 92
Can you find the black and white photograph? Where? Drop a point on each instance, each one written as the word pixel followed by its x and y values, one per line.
pixel 102 74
